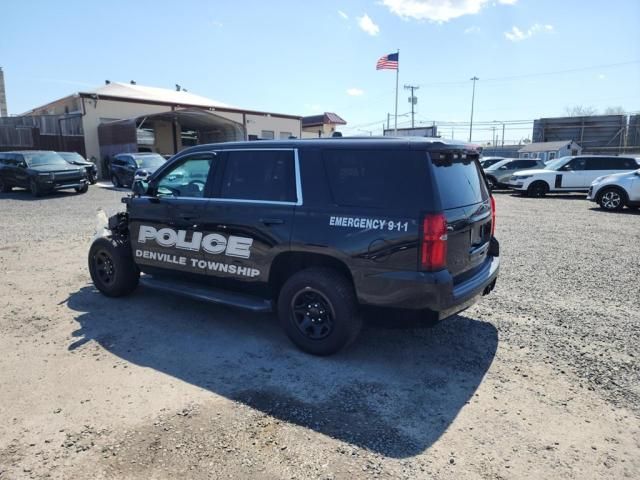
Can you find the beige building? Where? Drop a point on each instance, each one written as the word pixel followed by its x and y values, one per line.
pixel 141 118
pixel 323 125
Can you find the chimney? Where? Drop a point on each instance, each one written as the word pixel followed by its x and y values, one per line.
pixel 3 96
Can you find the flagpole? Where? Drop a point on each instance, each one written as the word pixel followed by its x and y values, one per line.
pixel 395 128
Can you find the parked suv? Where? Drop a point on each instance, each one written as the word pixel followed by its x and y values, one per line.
pixel 75 158
pixel 486 162
pixel 125 167
pixel 40 172
pixel 498 174
pixel 312 228
pixel 569 174
pixel 613 192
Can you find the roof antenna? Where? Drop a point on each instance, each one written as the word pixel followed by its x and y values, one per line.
pixel 178 88
pixel 132 82
pixel 107 82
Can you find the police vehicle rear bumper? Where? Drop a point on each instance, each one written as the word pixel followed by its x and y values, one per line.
pixel 432 291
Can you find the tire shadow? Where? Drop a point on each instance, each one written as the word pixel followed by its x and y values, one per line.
pixel 395 391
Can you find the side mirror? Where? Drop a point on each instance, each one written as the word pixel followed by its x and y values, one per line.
pixel 504 167
pixel 140 187
pixel 22 164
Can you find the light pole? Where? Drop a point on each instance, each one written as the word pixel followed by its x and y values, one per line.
pixel 473 97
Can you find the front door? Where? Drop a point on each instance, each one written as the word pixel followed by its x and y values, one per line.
pixel 252 211
pixel 166 226
pixel 572 175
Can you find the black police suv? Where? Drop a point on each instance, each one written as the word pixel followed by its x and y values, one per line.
pixel 311 228
pixel 74 158
pixel 127 167
pixel 40 172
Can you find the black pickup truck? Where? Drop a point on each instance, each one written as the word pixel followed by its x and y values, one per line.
pixel 310 228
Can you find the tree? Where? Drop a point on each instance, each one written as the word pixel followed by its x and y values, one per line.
pixel 617 110
pixel 580 111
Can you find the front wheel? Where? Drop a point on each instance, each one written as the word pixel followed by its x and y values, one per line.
pixel 82 189
pixel 35 189
pixel 611 199
pixel 116 181
pixel 318 310
pixel 112 268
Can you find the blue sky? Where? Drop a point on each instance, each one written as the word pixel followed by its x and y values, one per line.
pixel 302 57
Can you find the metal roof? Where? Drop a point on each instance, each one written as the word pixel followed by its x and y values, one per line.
pixel 155 94
pixel 545 146
pixel 327 118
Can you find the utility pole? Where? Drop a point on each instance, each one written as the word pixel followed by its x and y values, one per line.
pixel 493 143
pixel 413 100
pixel 503 134
pixel 473 98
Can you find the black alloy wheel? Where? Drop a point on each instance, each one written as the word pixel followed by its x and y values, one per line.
pixel 312 313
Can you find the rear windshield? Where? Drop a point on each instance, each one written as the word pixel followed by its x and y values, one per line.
pixel 377 178
pixel 459 180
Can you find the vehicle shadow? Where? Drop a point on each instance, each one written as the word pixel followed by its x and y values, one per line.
pixel 110 186
pixel 393 392
pixel 26 196
pixel 624 211
pixel 558 196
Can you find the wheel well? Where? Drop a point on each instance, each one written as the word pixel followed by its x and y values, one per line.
pixel 288 263
pixel 547 186
pixel 622 192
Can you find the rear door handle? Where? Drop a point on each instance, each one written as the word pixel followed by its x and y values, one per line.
pixel 272 221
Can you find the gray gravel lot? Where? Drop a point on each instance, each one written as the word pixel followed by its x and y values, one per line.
pixel 539 380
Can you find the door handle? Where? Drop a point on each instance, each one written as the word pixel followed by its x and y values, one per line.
pixel 272 221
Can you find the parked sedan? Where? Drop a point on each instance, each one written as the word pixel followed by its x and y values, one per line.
pixel 40 172
pixel 128 167
pixel 486 162
pixel 75 158
pixel 498 174
pixel 612 192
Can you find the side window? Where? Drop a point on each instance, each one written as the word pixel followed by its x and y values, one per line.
pixel 600 163
pixel 629 164
pixel 577 164
pixel 187 178
pixel 260 175
pixel 377 178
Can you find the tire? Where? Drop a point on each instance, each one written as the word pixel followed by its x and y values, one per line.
pixel 35 190
pixel 612 199
pixel 4 188
pixel 332 298
pixel 112 268
pixel 82 189
pixel 115 181
pixel 538 189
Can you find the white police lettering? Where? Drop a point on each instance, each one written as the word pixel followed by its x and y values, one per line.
pixel 369 223
pixel 213 243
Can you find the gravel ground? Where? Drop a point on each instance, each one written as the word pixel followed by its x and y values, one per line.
pixel 538 380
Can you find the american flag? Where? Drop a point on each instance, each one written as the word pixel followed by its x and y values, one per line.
pixel 388 62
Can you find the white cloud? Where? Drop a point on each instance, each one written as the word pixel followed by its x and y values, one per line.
pixel 216 23
pixel 355 92
pixel 343 15
pixel 517 35
pixel 601 76
pixel 470 30
pixel 366 24
pixel 438 10
pixel 508 2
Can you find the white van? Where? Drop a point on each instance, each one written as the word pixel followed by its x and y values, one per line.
pixel 569 174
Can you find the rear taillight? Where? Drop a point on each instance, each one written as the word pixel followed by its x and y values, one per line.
pixel 493 215
pixel 433 251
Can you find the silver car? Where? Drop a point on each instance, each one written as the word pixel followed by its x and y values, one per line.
pixel 498 174
pixel 612 192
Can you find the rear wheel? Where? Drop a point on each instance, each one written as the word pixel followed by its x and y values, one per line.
pixel 538 189
pixel 4 187
pixel 112 268
pixel 611 199
pixel 115 181
pixel 318 310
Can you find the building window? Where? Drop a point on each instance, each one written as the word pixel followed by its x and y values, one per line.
pixel 552 155
pixel 526 155
pixel 267 134
pixel 285 135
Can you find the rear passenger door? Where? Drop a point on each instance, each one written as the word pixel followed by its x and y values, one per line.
pixel 252 210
